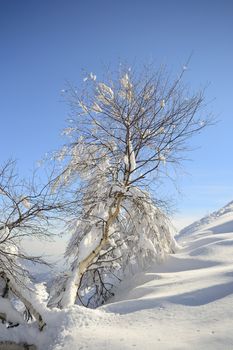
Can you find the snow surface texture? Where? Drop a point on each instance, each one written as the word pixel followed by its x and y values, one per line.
pixel 184 303
pixel 219 221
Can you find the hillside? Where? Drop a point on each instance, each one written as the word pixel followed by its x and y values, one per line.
pixel 184 303
pixel 218 222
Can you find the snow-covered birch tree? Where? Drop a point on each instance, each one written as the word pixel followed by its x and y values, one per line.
pixel 124 133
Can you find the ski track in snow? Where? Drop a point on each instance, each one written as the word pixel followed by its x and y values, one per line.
pixel 184 303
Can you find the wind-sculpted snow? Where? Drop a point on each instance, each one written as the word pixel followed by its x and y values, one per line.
pixel 182 303
pixel 219 221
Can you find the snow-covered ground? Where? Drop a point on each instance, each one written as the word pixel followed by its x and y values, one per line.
pixel 184 303
pixel 218 222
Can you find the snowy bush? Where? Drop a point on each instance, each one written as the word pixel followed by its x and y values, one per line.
pixel 24 212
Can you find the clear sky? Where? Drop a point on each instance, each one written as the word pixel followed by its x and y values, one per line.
pixel 43 43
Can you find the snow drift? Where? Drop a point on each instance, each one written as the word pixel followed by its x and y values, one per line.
pixel 184 303
pixel 220 221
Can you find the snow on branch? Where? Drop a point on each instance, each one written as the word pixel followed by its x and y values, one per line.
pixel 134 131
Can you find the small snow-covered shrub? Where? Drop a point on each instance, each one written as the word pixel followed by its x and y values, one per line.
pixel 24 212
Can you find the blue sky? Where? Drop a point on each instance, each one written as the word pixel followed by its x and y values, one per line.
pixel 44 43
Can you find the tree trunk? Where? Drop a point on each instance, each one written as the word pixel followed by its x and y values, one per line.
pixel 83 266
pixel 26 302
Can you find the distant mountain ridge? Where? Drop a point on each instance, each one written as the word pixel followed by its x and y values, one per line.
pixel 222 217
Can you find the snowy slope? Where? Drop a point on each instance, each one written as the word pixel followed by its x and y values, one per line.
pixel 184 303
pixel 219 221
